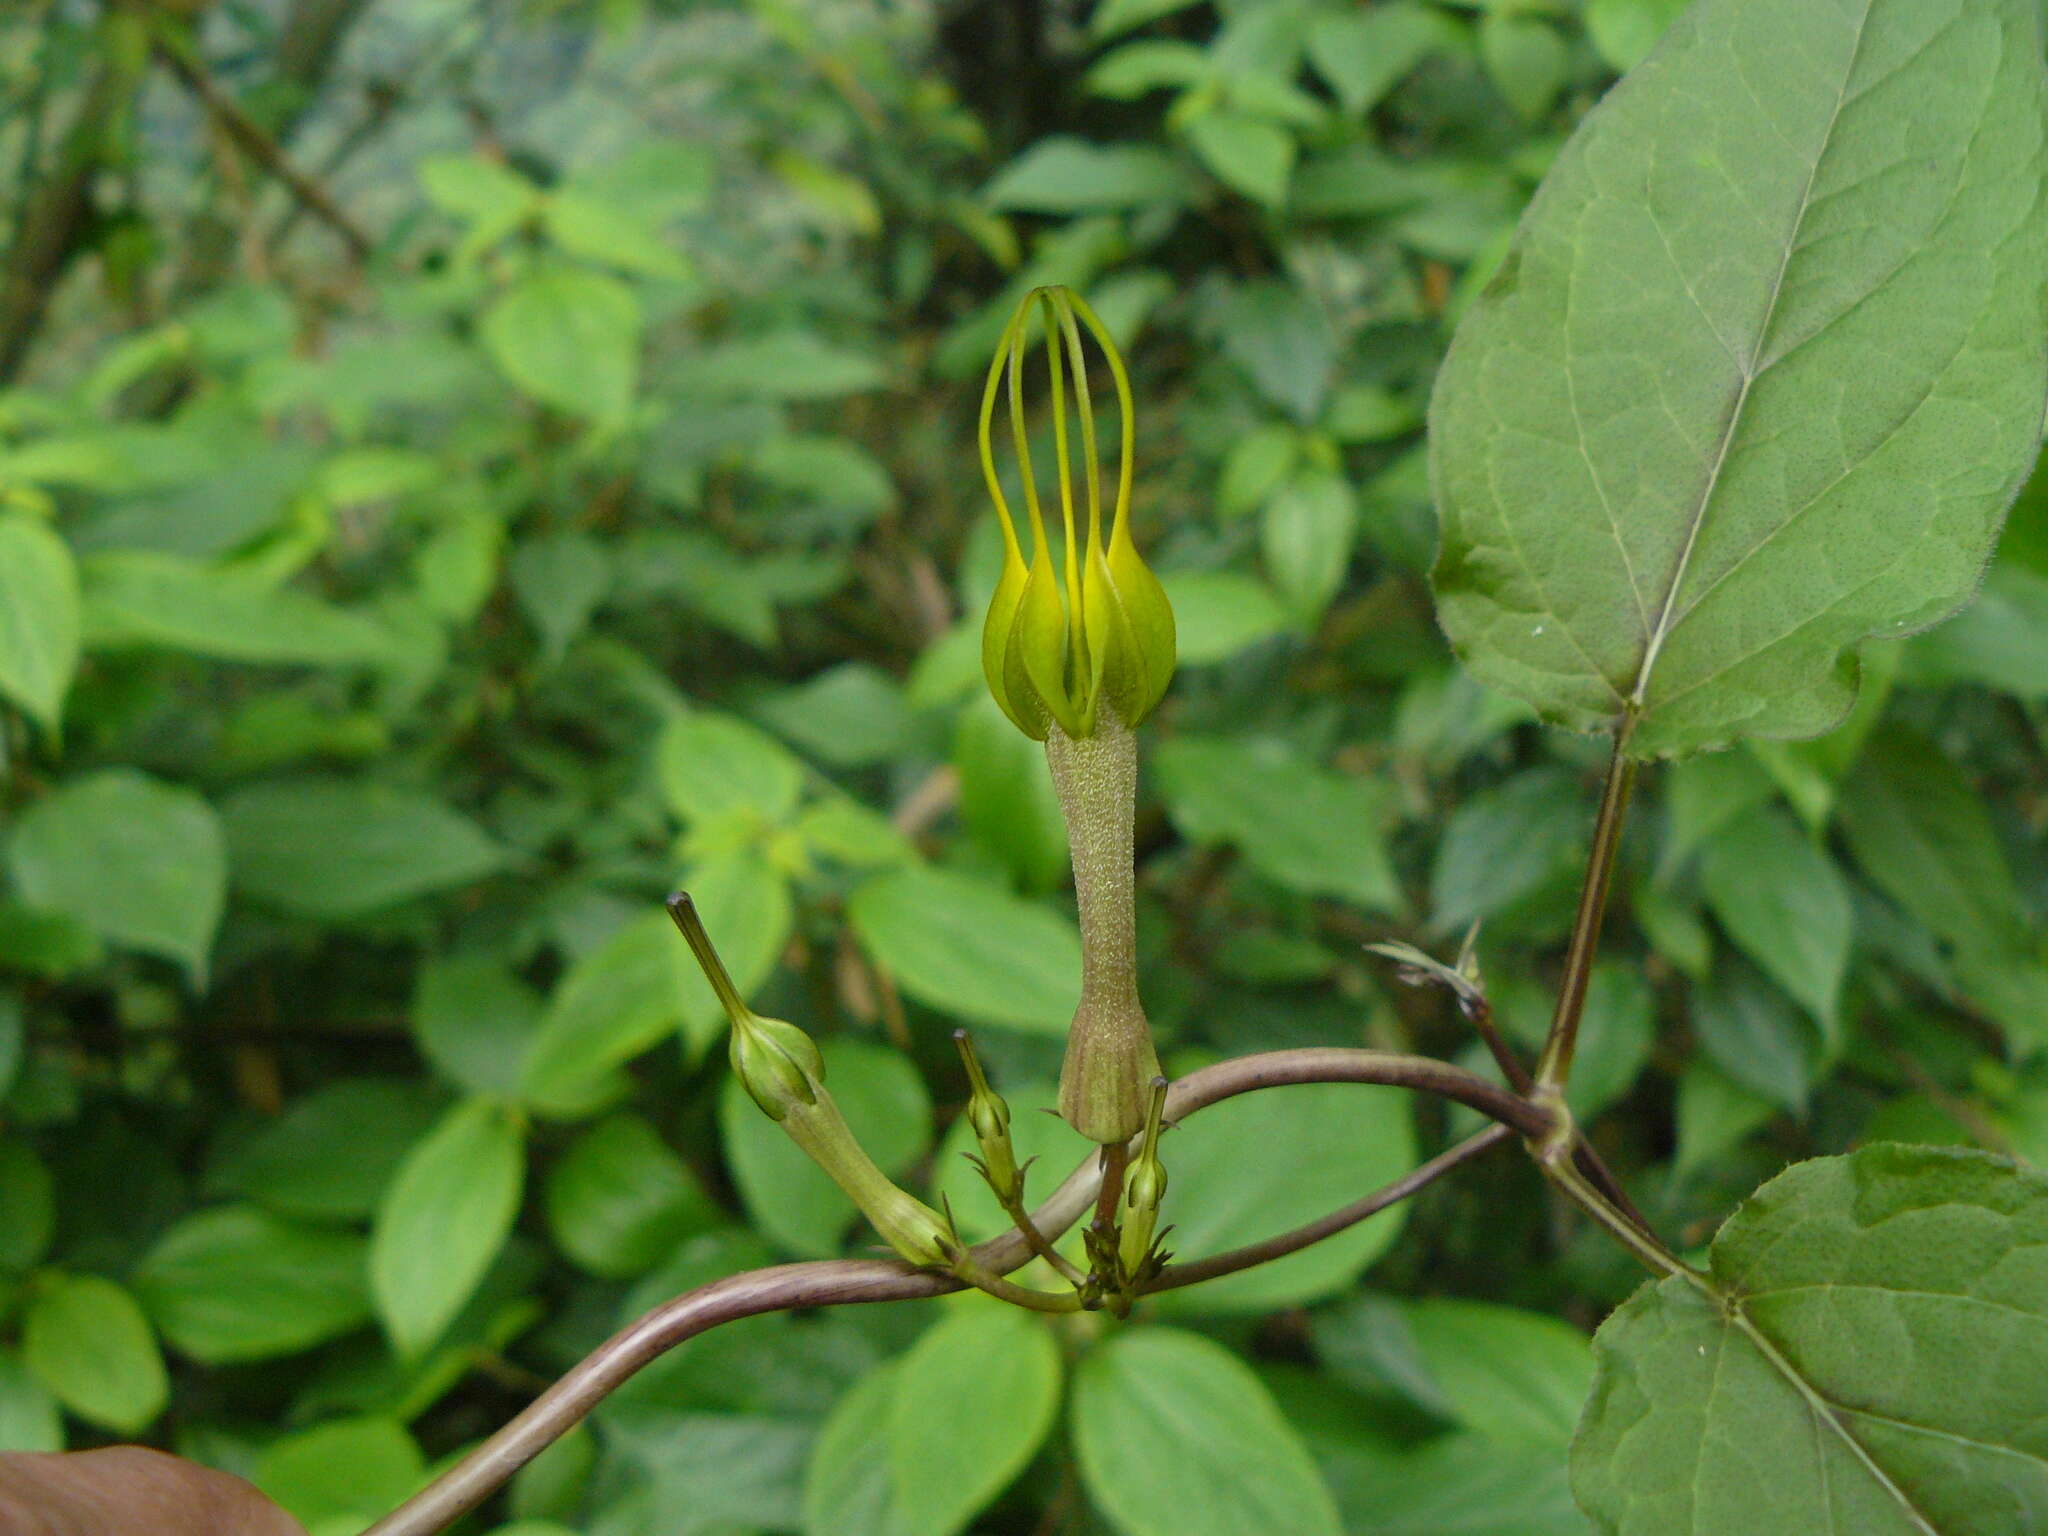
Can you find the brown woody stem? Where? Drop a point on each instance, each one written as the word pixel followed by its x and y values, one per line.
pixel 836 1282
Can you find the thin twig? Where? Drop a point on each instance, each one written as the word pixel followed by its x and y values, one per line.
pixel 248 136
pixel 1252 1254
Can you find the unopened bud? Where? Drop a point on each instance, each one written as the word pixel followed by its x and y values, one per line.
pixel 1144 1190
pixel 777 1063
pixel 990 1118
pixel 779 1066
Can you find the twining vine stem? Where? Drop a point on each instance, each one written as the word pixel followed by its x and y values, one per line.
pixel 841 1282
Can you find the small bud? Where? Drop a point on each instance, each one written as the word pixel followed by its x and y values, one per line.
pixel 1144 1190
pixel 779 1066
pixel 990 1117
pixel 777 1063
pixel 1062 640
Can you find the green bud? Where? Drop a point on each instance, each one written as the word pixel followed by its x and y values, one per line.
pixel 777 1063
pixel 779 1066
pixel 990 1118
pixel 1062 640
pixel 1144 1191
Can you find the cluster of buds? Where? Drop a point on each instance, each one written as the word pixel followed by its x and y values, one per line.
pixel 779 1066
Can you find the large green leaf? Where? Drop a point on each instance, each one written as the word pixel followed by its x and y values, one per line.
pixel 329 1155
pixel 1784 901
pixel 88 1342
pixel 1922 834
pixel 443 1220
pixel 1308 828
pixel 1509 1374
pixel 349 1470
pixel 236 1284
pixel 570 338
pixel 1867 1356
pixel 970 948
pixel 137 861
pixel 1761 372
pixel 334 848
pixel 912 1449
pixel 38 618
pixel 948 1454
pixel 1177 1437
pixel 619 1201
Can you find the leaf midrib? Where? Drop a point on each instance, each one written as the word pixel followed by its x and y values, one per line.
pixel 1827 1412
pixel 1751 372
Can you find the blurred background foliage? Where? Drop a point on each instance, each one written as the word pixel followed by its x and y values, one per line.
pixel 467 468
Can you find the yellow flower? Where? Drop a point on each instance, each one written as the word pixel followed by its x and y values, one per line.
pixel 1062 641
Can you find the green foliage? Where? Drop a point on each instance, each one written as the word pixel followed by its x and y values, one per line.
pixel 1174 1435
pixel 1691 535
pixel 381 639
pixel 1862 1357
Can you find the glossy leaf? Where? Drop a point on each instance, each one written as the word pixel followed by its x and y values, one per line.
pixel 620 1201
pixel 1176 1437
pixel 235 1284
pixel 86 1339
pixel 443 1220
pixel 970 949
pixel 954 1437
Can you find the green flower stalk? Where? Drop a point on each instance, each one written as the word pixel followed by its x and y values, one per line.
pixel 779 1066
pixel 1078 653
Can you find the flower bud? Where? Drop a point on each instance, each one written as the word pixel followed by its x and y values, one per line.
pixel 777 1063
pixel 779 1066
pixel 990 1118
pixel 1144 1191
pixel 1061 641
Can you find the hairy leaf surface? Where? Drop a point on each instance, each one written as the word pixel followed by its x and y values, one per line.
pixel 1760 374
pixel 1869 1358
